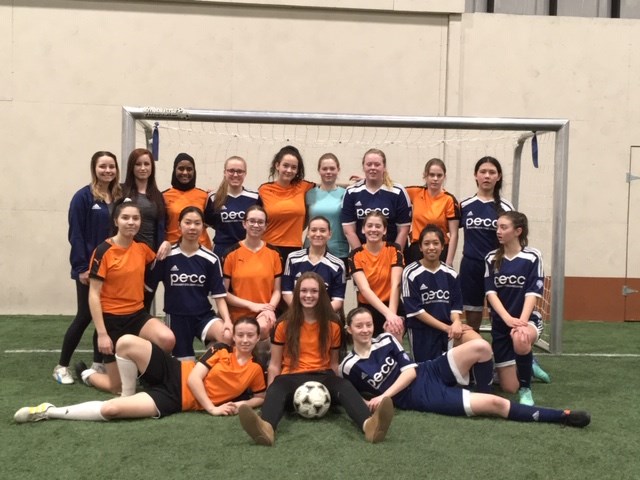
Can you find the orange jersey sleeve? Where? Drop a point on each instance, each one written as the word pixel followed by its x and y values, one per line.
pixel 175 201
pixel 311 358
pixel 437 210
pixel 122 273
pixel 286 212
pixel 377 268
pixel 226 380
pixel 252 275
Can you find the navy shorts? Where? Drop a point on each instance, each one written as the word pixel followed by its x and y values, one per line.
pixel 119 325
pixel 187 327
pixel 163 380
pixel 436 389
pixel 472 284
pixel 427 343
pixel 501 343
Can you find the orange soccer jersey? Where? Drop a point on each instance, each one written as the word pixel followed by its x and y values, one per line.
pixel 252 275
pixel 226 380
pixel 427 209
pixel 377 268
pixel 122 273
pixel 311 358
pixel 286 211
pixel 175 201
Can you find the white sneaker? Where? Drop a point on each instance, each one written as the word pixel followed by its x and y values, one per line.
pixel 62 375
pixel 33 414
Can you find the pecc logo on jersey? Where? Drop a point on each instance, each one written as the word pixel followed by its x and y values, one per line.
pixel 509 281
pixel 230 217
pixel 481 223
pixel 185 279
pixel 363 212
pixel 435 296
pixel 380 376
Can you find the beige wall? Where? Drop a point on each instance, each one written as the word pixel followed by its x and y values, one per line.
pixel 68 68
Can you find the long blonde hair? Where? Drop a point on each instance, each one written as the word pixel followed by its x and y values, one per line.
pixel 223 189
pixel 386 179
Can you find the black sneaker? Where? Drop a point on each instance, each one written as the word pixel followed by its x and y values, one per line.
pixel 576 418
pixel 79 368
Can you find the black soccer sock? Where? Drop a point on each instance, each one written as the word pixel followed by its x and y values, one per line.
pixel 483 373
pixel 524 365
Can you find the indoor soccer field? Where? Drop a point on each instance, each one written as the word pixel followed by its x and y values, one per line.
pixel 598 372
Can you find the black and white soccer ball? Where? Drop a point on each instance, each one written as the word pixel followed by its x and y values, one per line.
pixel 311 400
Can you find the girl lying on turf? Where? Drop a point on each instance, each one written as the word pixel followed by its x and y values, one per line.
pixel 379 367
pixel 220 382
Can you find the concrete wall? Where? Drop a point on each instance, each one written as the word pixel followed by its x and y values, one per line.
pixel 70 66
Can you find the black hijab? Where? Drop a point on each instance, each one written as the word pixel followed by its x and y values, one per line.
pixel 175 183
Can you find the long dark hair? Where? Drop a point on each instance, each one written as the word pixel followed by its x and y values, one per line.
pixel 294 318
pixel 518 220
pixel 129 187
pixel 496 190
pixel 288 150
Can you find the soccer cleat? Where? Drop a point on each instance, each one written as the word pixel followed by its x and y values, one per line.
pixel 62 375
pixel 83 373
pixel 576 418
pixel 525 397
pixel 539 373
pixel 261 431
pixel 376 426
pixel 32 414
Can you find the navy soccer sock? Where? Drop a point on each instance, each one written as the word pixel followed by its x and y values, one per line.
pixel 483 373
pixel 525 413
pixel 524 366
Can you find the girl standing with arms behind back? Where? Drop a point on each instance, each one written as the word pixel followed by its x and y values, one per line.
pixel 89 225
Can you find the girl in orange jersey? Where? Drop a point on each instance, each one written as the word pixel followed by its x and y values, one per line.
pixel 284 201
pixel 305 348
pixel 376 269
pixel 184 193
pixel 219 383
pixel 116 294
pixel 433 205
pixel 252 271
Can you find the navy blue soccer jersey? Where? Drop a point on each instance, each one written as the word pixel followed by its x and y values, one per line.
pixel 188 280
pixel 227 222
pixel 393 202
pixel 434 292
pixel 330 268
pixel 479 219
pixel 517 278
pixel 375 374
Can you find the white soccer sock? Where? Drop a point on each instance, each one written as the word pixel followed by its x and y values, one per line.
pixel 128 375
pixel 81 411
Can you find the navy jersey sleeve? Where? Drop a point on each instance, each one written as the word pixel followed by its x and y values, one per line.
pixel 348 210
pixel 154 275
pixel 338 285
pixel 288 277
pixel 456 295
pixel 403 208
pixel 535 278
pixel 77 227
pixel 410 291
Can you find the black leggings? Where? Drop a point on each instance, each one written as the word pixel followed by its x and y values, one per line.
pixel 280 395
pixel 79 324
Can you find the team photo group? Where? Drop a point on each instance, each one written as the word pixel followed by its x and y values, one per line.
pixel 266 296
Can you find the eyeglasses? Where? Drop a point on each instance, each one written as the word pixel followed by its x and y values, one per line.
pixel 235 171
pixel 258 223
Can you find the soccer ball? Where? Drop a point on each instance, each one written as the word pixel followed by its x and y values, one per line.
pixel 311 400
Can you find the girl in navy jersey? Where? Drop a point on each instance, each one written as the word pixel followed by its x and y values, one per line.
pixel 140 186
pixel 317 259
pixel 514 281
pixel 225 207
pixel 376 269
pixel 376 192
pixel 305 348
pixel 218 383
pixel 380 369
pixel 478 218
pixel 432 300
pixel 89 225
pixel 191 275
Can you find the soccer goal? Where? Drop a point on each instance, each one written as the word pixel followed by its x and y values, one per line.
pixel 533 153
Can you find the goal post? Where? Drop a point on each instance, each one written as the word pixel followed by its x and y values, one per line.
pixel 445 137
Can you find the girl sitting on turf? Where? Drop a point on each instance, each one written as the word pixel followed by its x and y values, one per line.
pixel 380 368
pixel 116 296
pixel 191 275
pixel 305 347
pixel 432 300
pixel 219 383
